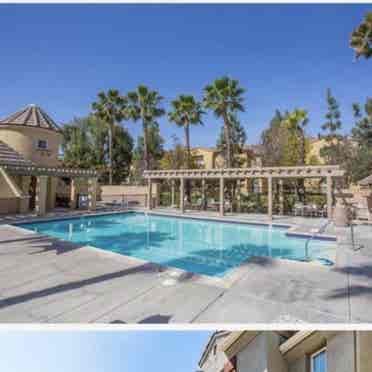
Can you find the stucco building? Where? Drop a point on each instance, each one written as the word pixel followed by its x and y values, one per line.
pixel 289 351
pixel 30 169
pixel 251 156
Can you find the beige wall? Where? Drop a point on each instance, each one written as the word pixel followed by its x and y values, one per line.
pixel 299 365
pixel 364 355
pixel 262 354
pixel 209 158
pixel 204 157
pixel 23 140
pixel 5 189
pixel 107 190
pixel 253 357
pixel 9 205
pixel 315 147
pixel 345 351
pixel 215 361
pixel 10 193
pixel 340 352
pixel 135 195
pixel 276 362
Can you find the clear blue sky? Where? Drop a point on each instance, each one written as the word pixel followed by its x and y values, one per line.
pixel 60 56
pixel 92 351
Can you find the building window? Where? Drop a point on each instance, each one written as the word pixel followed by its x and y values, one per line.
pixel 42 144
pixel 199 160
pixel 319 361
pixel 214 349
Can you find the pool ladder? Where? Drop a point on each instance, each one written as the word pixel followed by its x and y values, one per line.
pixel 315 232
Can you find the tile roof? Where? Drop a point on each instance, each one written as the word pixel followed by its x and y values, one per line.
pixel 10 156
pixel 31 116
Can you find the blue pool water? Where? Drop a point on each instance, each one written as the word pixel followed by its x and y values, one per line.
pixel 199 246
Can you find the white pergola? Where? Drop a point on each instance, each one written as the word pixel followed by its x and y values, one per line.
pixel 329 172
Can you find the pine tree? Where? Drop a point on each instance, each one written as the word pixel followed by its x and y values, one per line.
pixel 362 132
pixel 332 152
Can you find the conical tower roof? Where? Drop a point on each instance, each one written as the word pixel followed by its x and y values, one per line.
pixel 31 116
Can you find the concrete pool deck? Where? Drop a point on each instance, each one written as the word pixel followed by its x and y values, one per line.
pixel 43 279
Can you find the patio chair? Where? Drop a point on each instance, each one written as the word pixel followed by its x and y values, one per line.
pixel 363 209
pixel 313 210
pixel 198 205
pixel 322 212
pixel 298 209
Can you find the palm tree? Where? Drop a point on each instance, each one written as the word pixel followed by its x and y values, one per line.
pixel 186 111
pixel 110 107
pixel 224 97
pixel 143 104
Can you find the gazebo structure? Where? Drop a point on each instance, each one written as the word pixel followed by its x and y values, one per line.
pixel 268 173
pixel 30 166
pixel 42 174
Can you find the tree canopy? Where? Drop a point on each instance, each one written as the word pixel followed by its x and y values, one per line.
pixel 362 132
pixel 110 108
pixel 85 146
pixel 144 105
pixel 186 111
pixel 284 142
pixel 361 38
pixel 335 142
pixel 225 98
pixel 238 138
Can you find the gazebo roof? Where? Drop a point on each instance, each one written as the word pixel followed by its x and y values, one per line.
pixel 31 116
pixel 10 156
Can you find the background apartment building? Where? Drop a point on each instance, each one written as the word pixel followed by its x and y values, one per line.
pixel 288 351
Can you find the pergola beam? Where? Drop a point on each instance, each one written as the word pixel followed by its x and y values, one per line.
pixel 238 173
pixel 33 170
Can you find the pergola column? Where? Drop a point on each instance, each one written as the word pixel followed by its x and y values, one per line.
pixel 222 196
pixel 173 193
pixel 157 193
pixel 149 194
pixel 25 184
pixel 204 202
pixel 238 196
pixel 92 194
pixel 41 195
pixel 270 197
pixel 329 197
pixel 281 198
pixel 182 195
pixel 51 202
pixel 24 204
pixel 73 193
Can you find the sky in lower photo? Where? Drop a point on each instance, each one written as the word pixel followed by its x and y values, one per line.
pixel 101 351
pixel 285 56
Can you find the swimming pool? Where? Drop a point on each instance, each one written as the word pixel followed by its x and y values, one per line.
pixel 199 246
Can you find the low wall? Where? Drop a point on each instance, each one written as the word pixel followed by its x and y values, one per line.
pixel 9 205
pixel 133 195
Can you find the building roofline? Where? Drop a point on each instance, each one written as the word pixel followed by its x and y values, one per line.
pixel 32 116
pixel 207 348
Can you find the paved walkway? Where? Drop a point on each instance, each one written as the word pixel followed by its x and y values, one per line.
pixel 47 280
